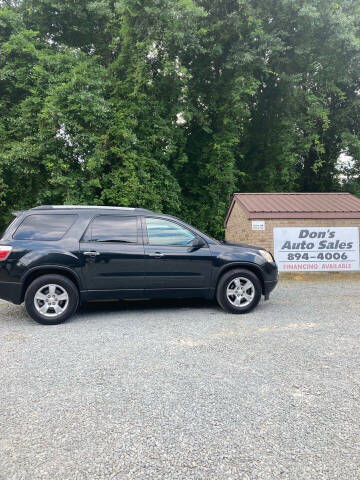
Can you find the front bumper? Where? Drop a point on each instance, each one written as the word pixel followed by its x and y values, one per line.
pixel 268 288
pixel 271 275
pixel 11 292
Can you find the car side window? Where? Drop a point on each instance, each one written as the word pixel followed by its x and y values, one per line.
pixel 165 232
pixel 112 228
pixel 45 227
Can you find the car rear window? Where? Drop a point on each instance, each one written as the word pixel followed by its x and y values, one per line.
pixel 3 232
pixel 44 227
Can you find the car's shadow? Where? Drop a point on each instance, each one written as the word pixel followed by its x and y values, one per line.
pixel 146 305
pixel 153 305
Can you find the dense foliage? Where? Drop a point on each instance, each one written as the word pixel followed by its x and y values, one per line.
pixel 174 105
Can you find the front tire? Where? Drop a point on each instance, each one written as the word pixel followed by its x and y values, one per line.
pixel 51 299
pixel 238 291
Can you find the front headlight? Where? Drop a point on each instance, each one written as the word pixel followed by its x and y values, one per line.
pixel 267 255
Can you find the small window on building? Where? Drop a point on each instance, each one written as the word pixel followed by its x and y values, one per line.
pixel 113 228
pixel 44 227
pixel 163 232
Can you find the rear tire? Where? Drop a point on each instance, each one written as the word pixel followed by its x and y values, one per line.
pixel 51 299
pixel 238 291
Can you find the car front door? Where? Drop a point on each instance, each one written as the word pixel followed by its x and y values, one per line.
pixel 113 256
pixel 172 264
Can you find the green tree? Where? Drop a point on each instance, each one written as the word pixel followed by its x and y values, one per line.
pixel 307 107
pixel 174 105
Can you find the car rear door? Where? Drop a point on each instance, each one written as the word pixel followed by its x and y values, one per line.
pixel 113 256
pixel 171 264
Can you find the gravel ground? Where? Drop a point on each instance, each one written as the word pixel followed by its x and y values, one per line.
pixel 181 390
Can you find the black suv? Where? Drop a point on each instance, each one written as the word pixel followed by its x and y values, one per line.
pixel 55 257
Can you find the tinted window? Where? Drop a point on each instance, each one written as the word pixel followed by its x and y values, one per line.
pixel 44 227
pixel 3 232
pixel 163 232
pixel 113 228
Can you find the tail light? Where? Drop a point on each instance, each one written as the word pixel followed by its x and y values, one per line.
pixel 4 252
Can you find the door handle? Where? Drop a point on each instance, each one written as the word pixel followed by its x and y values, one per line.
pixel 92 254
pixel 157 255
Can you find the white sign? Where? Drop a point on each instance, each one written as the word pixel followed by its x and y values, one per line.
pixel 258 224
pixel 316 249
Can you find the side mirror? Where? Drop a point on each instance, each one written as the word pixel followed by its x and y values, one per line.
pixel 197 243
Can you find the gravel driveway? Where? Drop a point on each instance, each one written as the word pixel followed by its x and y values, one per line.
pixel 181 390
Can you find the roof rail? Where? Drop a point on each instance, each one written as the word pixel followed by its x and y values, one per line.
pixel 61 207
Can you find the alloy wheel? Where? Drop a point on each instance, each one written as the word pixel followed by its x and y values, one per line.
pixel 240 291
pixel 51 300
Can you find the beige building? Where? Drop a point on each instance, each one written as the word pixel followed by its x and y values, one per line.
pixel 252 217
